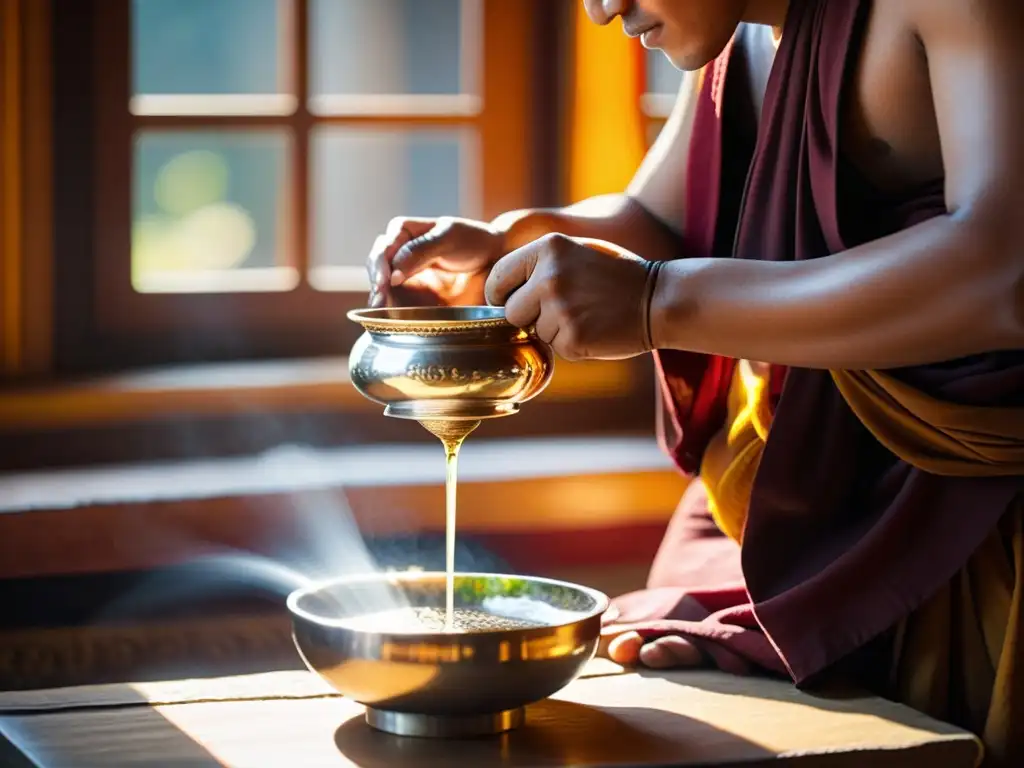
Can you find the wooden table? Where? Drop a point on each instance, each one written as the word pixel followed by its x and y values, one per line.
pixel 609 717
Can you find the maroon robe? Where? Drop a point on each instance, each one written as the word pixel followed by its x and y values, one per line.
pixel 843 539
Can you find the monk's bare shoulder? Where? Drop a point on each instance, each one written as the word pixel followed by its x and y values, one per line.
pixel 919 67
pixel 976 67
pixel 890 130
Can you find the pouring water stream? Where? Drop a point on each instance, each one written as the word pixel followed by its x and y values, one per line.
pixel 451 434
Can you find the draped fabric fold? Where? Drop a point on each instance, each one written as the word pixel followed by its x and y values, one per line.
pixel 959 656
pixel 733 456
pixel 931 434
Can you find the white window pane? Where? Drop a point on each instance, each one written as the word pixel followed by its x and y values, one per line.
pixel 662 76
pixel 208 211
pixel 389 47
pixel 205 46
pixel 363 178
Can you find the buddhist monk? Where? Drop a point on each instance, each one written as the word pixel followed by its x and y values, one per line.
pixel 824 252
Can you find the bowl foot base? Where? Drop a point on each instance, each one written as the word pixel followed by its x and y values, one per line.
pixel 449 411
pixel 444 726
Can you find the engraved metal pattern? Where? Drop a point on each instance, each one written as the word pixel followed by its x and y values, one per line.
pixel 437 374
pixel 437 363
pixel 436 330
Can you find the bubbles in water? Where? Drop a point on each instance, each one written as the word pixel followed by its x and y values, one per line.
pixel 429 620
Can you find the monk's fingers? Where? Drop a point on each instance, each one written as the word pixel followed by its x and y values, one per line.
pixel 547 324
pixel 511 272
pixel 378 268
pixel 610 616
pixel 525 307
pixel 420 252
pixel 669 652
pixel 398 232
pixel 625 648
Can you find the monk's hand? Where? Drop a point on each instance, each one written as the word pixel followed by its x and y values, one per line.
pixel 432 261
pixel 584 298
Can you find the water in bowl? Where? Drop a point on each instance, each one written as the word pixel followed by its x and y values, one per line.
pixel 430 620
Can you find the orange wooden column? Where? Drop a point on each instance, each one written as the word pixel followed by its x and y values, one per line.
pixel 606 139
pixel 25 193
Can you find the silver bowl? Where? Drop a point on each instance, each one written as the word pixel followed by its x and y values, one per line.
pixel 447 363
pixel 470 681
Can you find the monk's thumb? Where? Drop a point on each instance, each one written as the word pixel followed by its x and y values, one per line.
pixel 416 255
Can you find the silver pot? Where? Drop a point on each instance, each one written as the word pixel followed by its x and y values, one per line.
pixel 447 363
pixel 428 682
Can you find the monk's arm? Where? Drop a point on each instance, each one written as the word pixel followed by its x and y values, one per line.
pixel 647 218
pixel 950 287
pixel 622 219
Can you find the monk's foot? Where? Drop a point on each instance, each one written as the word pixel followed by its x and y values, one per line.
pixel 670 653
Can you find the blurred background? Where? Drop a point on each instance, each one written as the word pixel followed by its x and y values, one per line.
pixel 190 190
pixel 208 205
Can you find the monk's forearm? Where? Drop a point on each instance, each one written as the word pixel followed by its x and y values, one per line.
pixel 617 219
pixel 935 292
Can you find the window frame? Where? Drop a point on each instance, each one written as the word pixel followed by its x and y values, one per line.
pixel 116 327
pixel 118 395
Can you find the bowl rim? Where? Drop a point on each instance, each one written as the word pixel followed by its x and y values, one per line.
pixel 472 317
pixel 601 600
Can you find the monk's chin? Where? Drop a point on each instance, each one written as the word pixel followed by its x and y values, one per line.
pixel 691 52
pixel 689 62
pixel 691 59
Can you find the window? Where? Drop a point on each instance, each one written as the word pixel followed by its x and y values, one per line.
pixel 662 81
pixel 247 153
pixel 202 187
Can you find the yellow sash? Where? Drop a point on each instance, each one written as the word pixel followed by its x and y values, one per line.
pixel 733 456
pixel 936 436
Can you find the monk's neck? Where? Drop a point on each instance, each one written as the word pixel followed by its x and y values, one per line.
pixel 771 13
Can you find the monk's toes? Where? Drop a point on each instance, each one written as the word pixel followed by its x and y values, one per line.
pixel 669 652
pixel 625 648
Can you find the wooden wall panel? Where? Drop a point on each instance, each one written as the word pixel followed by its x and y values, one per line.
pixel 25 188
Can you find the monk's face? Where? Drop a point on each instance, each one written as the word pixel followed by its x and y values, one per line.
pixel 690 32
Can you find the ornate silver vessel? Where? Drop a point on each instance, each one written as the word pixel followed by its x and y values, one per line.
pixel 447 363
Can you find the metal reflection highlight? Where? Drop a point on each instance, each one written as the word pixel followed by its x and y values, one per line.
pixel 447 363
